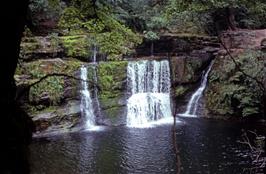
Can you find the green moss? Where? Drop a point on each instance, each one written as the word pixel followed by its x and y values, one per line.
pixel 27 48
pixel 180 91
pixel 52 87
pixel 76 46
pixel 113 113
pixel 107 103
pixel 40 68
pixel 111 77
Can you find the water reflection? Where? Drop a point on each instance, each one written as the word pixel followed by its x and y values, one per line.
pixel 194 146
pixel 148 151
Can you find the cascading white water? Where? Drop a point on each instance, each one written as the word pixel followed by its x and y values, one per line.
pixel 94 57
pixel 149 84
pixel 86 106
pixel 193 103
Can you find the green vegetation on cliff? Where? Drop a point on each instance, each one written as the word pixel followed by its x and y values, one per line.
pixel 112 76
pixel 96 20
pixel 112 81
pixel 231 92
pixel 76 46
pixel 52 88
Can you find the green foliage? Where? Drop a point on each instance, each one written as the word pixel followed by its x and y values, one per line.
pixel 55 41
pixel 150 35
pixel 76 46
pixel 180 91
pixel 44 9
pixel 27 32
pixel 111 80
pixel 200 16
pixel 233 93
pixel 257 14
pixel 125 40
pixel 71 18
pixel 101 27
pixel 52 87
pixel 111 76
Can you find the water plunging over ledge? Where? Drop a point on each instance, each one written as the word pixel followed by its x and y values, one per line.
pixel 149 84
pixel 191 110
pixel 86 106
pixel 94 56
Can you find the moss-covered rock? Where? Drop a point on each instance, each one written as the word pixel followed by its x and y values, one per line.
pixel 50 90
pixel 52 46
pixel 58 119
pixel 188 69
pixel 112 82
pixel 180 91
pixel 50 95
pixel 33 48
pixel 76 46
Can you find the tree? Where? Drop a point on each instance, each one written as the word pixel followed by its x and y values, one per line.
pixel 230 10
pixel 43 15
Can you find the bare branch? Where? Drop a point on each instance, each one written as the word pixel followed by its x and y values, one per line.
pixel 253 133
pixel 260 84
pixel 247 143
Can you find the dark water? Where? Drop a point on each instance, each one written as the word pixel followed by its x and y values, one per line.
pixel 205 147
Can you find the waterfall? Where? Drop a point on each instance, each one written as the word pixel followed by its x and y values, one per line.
pixel 149 84
pixel 86 106
pixel 94 56
pixel 193 103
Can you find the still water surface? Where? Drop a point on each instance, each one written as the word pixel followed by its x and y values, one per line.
pixel 205 147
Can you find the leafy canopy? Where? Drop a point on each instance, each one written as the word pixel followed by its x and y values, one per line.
pixel 98 22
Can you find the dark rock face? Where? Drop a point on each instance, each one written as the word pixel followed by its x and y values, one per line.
pixel 179 45
pixel 188 69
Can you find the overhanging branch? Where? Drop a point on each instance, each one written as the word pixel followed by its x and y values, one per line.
pixel 27 88
pixel 260 84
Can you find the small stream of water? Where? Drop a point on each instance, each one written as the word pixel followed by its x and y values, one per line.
pixel 191 110
pixel 86 106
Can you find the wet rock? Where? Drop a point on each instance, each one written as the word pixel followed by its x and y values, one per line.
pixel 57 119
